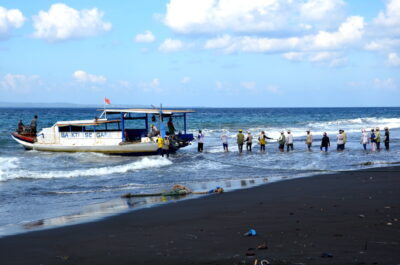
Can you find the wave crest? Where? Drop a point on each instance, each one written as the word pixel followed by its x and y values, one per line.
pixel 144 163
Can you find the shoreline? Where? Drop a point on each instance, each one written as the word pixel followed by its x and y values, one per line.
pixel 353 216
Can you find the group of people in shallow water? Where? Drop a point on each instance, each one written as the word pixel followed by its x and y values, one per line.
pixel 374 138
pixel 163 144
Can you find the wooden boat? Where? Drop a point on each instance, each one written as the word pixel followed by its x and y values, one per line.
pixel 116 131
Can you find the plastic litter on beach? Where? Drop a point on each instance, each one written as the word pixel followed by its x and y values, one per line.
pixel 251 232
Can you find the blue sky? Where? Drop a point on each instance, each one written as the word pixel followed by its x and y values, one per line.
pixel 217 53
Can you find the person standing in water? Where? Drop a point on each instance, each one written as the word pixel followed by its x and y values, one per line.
pixel 309 140
pixel 373 140
pixel 166 146
pixel 262 139
pixel 200 142
pixel 340 141
pixel 240 140
pixel 386 139
pixel 364 139
pixel 378 139
pixel 289 141
pixel 160 145
pixel 224 138
pixel 325 143
pixel 282 141
pixel 249 141
pixel 344 139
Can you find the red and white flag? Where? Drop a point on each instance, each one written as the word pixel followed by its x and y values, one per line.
pixel 107 101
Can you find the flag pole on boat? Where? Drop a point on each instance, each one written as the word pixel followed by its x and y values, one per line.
pixel 106 102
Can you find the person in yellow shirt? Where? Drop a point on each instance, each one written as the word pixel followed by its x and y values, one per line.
pixel 378 139
pixel 160 144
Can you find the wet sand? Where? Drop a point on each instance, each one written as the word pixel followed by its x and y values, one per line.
pixel 345 218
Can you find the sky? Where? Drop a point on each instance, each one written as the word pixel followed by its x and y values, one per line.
pixel 210 53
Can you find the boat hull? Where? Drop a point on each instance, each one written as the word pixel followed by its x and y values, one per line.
pixel 135 149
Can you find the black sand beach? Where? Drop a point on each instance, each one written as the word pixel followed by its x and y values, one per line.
pixel 345 218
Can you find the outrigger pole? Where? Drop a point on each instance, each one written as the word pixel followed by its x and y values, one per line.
pixel 162 127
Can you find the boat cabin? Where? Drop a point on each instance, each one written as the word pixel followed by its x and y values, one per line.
pixel 125 126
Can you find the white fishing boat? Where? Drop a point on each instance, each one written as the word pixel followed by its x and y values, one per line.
pixel 116 131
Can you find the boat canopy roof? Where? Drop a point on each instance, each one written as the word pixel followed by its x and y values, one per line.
pixel 146 111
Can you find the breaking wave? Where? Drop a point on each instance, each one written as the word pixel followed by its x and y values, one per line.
pixel 144 163
pixel 7 164
pixel 331 127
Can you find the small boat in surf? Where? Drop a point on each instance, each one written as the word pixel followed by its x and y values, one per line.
pixel 116 132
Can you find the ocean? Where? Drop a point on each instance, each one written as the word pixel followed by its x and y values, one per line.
pixel 40 190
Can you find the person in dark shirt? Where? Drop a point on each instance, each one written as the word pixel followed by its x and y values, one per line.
pixel 34 124
pixel 171 127
pixel 21 127
pixel 325 143
pixel 386 139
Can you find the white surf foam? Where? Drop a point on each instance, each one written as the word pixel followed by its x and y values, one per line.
pixel 317 128
pixel 7 165
pixel 144 163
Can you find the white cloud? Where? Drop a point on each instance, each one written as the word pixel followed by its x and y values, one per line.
pixel 124 84
pixel 322 11
pixel 331 59
pixel 170 45
pixel 355 84
pixel 152 86
pixel 385 84
pixel 82 76
pixel 393 59
pixel 155 83
pixel 19 83
pixel 219 42
pixel 10 19
pixel 273 89
pixel 62 22
pixel 384 30
pixel 186 16
pixel 145 37
pixel 207 16
pixel 386 44
pixel 250 85
pixel 389 21
pixel 349 33
pixel 186 80
pixel 294 56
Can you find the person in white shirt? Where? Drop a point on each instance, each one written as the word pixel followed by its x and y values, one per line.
pixel 309 140
pixel 340 141
pixel 249 141
pixel 224 138
pixel 289 141
pixel 364 139
pixel 200 141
